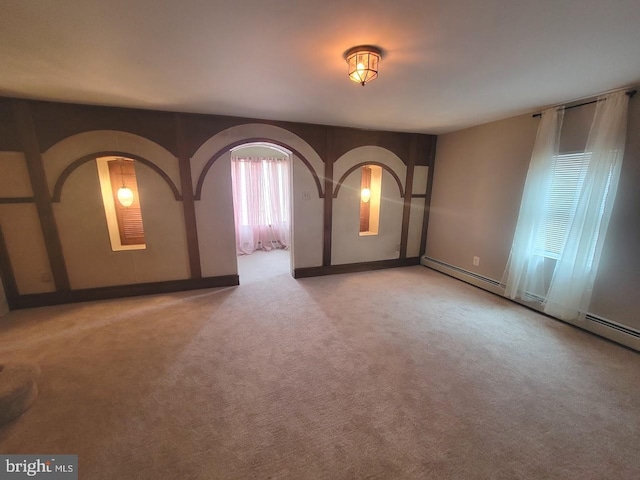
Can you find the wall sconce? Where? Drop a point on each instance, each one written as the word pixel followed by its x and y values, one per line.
pixel 365 195
pixel 363 63
pixel 125 194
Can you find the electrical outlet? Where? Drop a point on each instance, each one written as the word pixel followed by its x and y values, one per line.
pixel 476 261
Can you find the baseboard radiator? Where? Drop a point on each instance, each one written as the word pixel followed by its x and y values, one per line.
pixel 609 329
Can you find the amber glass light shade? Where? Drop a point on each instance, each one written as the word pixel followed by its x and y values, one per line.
pixel 363 64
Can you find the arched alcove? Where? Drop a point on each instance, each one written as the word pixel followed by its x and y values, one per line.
pixel 348 246
pixel 79 211
pixel 211 177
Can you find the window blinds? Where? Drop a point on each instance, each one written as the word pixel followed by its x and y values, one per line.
pixel 567 181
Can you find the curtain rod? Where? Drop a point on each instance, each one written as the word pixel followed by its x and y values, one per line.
pixel 630 93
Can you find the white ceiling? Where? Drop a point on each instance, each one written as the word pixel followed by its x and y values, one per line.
pixel 448 63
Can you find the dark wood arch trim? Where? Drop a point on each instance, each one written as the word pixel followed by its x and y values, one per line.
pixel 362 164
pixel 10 200
pixel 57 189
pixel 6 274
pixel 225 149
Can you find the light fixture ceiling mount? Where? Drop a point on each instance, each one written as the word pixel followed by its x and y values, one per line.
pixel 363 62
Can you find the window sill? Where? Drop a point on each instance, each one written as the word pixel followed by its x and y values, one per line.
pixel 123 248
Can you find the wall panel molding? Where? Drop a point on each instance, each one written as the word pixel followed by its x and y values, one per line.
pixel 188 205
pixel 225 149
pixel 34 127
pixel 6 274
pixel 327 220
pixel 427 197
pixel 122 291
pixel 57 121
pixel 9 200
pixel 384 166
pixel 57 189
pixel 406 210
pixel 31 148
pixel 354 267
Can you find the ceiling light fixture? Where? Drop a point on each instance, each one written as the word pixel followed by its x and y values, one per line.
pixel 363 63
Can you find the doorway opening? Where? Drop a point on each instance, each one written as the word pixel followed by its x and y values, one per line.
pixel 261 177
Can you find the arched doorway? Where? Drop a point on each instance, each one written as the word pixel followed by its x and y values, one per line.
pixel 261 174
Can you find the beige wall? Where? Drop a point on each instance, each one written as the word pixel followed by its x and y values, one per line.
pixel 214 216
pixel 478 181
pixel 479 175
pixel 308 210
pixel 14 181
pixel 615 294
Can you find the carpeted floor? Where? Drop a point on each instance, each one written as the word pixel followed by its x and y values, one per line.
pixel 263 266
pixel 401 373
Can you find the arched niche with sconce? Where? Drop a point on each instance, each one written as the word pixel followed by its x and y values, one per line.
pixel 353 240
pixel 83 224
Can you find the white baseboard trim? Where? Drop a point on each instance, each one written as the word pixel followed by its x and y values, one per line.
pixel 603 327
pixel 485 283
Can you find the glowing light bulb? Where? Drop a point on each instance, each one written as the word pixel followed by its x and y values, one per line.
pixel 365 195
pixel 125 196
pixel 363 63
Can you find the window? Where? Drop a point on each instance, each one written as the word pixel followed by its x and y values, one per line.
pixel 568 177
pixel 261 199
pixel 370 189
pixel 124 219
pixel 565 211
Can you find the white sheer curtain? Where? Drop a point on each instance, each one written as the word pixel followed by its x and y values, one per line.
pixel 574 275
pixel 525 269
pixel 574 267
pixel 261 202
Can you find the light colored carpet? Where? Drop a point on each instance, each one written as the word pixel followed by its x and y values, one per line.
pixel 402 373
pixel 263 266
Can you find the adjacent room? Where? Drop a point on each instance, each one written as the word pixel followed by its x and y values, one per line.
pixel 320 240
pixel 261 182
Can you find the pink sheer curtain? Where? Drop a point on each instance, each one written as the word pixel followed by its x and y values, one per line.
pixel 260 203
